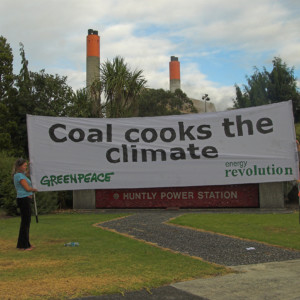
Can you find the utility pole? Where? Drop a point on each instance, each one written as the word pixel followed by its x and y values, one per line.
pixel 205 98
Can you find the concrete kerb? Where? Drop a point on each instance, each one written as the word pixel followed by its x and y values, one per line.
pixel 286 210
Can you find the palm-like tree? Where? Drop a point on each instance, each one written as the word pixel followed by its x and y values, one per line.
pixel 121 86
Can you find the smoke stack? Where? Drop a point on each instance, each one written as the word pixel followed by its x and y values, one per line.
pixel 174 74
pixel 92 57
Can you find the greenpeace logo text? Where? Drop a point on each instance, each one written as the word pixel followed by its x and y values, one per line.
pixel 53 180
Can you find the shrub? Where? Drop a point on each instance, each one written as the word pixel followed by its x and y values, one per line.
pixel 46 201
pixel 297 129
pixel 7 189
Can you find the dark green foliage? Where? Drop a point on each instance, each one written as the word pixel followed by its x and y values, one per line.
pixel 84 106
pixel 65 199
pixel 270 87
pixel 7 127
pixel 161 103
pixel 7 92
pixel 50 94
pixel 46 201
pixel 282 86
pixel 38 93
pixel 6 69
pixel 7 189
pixel 121 87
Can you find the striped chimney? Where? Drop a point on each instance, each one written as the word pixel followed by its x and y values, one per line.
pixel 92 57
pixel 174 66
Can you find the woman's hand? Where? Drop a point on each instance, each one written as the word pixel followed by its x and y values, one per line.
pixel 26 186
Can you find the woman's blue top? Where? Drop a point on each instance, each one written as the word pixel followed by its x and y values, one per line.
pixel 21 192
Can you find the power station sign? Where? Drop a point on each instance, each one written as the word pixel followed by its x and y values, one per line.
pixel 245 195
pixel 241 146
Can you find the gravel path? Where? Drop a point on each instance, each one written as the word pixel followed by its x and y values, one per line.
pixel 148 226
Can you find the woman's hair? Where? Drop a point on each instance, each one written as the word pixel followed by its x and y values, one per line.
pixel 18 163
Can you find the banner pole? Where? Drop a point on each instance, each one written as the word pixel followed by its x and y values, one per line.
pixel 299 200
pixel 35 208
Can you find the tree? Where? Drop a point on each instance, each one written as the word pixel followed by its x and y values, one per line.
pixel 282 82
pixel 19 105
pixel 121 86
pixel 182 102
pixel 255 93
pixel 50 94
pixel 241 100
pixel 27 93
pixel 36 93
pixel 282 85
pixel 6 128
pixel 6 69
pixel 269 87
pixel 160 103
pixel 84 106
pixel 7 91
pixel 78 106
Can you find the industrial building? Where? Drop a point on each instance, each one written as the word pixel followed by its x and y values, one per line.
pixel 174 71
pixel 265 195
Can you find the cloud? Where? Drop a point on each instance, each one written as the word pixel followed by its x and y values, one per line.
pixel 228 37
pixel 195 85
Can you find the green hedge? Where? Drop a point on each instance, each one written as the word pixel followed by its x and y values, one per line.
pixel 46 201
pixel 297 129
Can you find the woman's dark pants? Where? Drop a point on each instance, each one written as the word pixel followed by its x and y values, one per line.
pixel 25 208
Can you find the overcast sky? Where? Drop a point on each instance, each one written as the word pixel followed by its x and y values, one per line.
pixel 218 42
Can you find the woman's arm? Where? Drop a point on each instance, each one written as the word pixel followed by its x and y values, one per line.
pixel 26 186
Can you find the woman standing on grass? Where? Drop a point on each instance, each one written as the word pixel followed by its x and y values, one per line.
pixel 24 195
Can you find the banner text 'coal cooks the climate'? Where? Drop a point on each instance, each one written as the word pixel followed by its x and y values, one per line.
pixel 251 145
pixel 59 133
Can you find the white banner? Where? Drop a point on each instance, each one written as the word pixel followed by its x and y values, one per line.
pixel 250 145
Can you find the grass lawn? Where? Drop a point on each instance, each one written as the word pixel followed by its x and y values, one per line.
pixel 276 229
pixel 104 262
